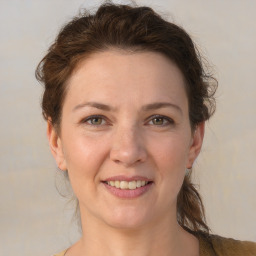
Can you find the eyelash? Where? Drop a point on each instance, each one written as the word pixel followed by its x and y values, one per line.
pixel 90 118
pixel 169 120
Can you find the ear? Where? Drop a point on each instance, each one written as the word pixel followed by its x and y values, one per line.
pixel 56 146
pixel 196 144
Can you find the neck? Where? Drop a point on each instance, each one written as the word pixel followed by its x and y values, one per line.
pixel 164 237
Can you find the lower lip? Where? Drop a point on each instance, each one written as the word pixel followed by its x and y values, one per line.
pixel 128 193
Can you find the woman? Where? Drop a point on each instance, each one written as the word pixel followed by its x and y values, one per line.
pixel 126 99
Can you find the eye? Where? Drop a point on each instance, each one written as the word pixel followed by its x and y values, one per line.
pixel 95 120
pixel 159 120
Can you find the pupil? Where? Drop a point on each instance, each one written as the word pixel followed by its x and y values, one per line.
pixel 158 120
pixel 96 120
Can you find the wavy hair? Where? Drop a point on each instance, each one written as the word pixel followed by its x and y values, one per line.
pixel 135 29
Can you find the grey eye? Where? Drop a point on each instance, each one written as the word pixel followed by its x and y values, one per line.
pixel 158 121
pixel 96 121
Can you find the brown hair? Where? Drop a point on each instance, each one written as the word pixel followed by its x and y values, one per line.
pixel 137 29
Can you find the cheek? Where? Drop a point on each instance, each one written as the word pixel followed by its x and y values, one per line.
pixel 84 158
pixel 170 152
pixel 84 155
pixel 170 157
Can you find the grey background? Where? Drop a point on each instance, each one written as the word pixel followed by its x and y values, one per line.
pixel 34 219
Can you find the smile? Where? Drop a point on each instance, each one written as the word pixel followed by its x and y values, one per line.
pixel 127 184
pixel 128 187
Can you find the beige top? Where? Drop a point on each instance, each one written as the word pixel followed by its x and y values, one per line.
pixel 213 245
pixel 61 254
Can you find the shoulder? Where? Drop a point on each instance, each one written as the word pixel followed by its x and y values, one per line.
pixel 226 246
pixel 229 246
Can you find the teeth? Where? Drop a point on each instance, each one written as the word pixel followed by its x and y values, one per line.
pixel 138 185
pixel 132 184
pixel 117 184
pixel 123 184
pixel 127 184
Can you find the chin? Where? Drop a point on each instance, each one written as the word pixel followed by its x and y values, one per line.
pixel 127 218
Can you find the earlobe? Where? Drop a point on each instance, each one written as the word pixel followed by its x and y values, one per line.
pixel 196 144
pixel 56 146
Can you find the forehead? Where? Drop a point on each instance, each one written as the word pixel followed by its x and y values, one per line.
pixel 125 60
pixel 119 76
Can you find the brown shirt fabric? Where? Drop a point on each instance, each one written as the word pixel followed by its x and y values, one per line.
pixel 213 245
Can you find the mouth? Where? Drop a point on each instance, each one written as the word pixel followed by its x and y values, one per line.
pixel 130 185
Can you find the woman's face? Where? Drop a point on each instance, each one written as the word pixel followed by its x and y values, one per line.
pixel 125 123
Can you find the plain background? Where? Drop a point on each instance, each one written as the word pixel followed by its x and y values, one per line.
pixel 34 219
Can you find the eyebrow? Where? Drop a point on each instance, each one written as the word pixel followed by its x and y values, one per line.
pixel 152 106
pixel 158 105
pixel 94 105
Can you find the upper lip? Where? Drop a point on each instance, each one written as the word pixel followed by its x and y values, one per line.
pixel 127 178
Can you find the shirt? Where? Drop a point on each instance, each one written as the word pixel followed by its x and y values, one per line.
pixel 213 245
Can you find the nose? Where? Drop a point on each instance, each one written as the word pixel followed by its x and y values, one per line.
pixel 128 147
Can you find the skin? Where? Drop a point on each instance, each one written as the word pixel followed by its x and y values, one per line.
pixel 127 140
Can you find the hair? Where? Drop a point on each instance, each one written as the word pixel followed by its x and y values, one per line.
pixel 137 29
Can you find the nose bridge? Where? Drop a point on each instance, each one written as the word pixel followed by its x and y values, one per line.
pixel 128 147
